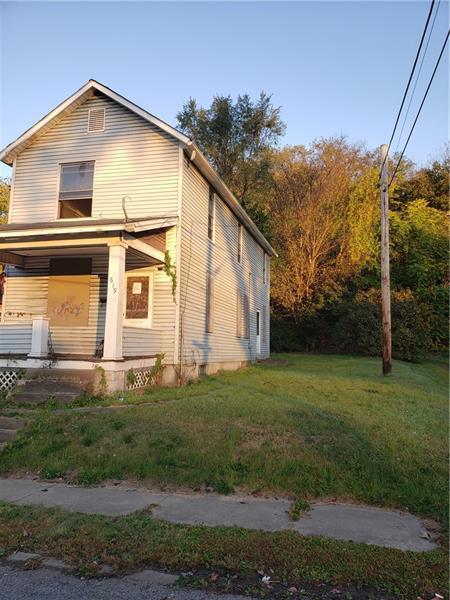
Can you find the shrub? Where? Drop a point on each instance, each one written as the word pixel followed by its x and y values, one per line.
pixel 353 326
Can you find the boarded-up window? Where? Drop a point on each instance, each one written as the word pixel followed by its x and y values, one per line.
pixel 211 214
pixel 69 292
pixel 243 315
pixel 137 303
pixel 210 304
pixel 246 317
pixel 240 238
pixel 264 323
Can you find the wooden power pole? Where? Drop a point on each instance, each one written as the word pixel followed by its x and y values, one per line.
pixel 385 277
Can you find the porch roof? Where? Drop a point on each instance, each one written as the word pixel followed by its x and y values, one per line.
pixel 93 236
pixel 87 225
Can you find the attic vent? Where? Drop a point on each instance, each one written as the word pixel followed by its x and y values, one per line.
pixel 96 119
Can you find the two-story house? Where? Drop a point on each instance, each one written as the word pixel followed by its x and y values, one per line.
pixel 122 244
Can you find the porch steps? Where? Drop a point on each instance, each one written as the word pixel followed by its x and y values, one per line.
pixel 8 429
pixel 61 385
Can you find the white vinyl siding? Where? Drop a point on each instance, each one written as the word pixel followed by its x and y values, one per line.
pixel 132 158
pixel 26 296
pixel 141 342
pixel 198 257
pixel 15 338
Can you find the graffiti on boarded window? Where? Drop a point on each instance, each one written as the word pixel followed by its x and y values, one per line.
pixel 68 292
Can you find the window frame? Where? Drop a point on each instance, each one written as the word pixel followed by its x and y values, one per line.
pixel 212 215
pixel 59 201
pixel 243 315
pixel 144 323
pixel 240 242
pixel 210 308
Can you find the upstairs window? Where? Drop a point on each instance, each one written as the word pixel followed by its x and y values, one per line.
pixel 211 214
pixel 75 190
pixel 240 239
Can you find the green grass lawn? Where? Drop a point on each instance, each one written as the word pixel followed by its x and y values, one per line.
pixel 305 427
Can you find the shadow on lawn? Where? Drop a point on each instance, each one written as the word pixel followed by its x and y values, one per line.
pixel 365 471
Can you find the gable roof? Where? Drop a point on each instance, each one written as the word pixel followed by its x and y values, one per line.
pixel 65 108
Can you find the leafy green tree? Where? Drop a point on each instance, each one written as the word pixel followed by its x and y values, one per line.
pixel 237 137
pixel 5 189
pixel 431 183
pixel 419 241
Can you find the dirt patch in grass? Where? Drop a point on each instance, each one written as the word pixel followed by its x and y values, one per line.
pixel 274 362
pixel 253 438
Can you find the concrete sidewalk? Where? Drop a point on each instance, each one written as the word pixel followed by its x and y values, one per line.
pixel 364 524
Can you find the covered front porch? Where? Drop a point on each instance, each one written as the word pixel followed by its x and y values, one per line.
pixel 83 296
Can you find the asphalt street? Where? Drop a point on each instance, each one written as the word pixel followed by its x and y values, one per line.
pixel 47 584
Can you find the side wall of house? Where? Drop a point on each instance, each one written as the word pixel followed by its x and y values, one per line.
pixel 132 158
pixel 200 256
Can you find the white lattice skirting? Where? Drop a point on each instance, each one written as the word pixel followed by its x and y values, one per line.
pixel 141 379
pixel 8 379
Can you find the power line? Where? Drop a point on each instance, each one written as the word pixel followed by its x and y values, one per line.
pixel 409 80
pixel 417 77
pixel 420 107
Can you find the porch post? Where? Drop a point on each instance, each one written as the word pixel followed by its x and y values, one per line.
pixel 112 347
pixel 39 337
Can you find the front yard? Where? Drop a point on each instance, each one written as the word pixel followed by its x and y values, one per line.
pixel 305 426
pixel 300 426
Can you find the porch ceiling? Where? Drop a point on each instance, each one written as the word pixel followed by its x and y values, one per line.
pixel 15 252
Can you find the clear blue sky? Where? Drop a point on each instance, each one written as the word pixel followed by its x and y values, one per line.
pixel 334 67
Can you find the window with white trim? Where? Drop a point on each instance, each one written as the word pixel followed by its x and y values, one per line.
pixel 211 214
pixel 75 190
pixel 138 299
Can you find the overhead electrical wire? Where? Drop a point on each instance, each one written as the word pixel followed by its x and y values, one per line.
pixel 409 80
pixel 420 107
pixel 417 78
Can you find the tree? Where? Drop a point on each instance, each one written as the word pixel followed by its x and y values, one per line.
pixel 237 138
pixel 5 188
pixel 430 183
pixel 311 212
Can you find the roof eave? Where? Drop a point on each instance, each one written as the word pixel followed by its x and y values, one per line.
pixel 199 160
pixel 8 154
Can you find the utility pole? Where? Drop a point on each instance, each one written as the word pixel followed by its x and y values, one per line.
pixel 385 277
